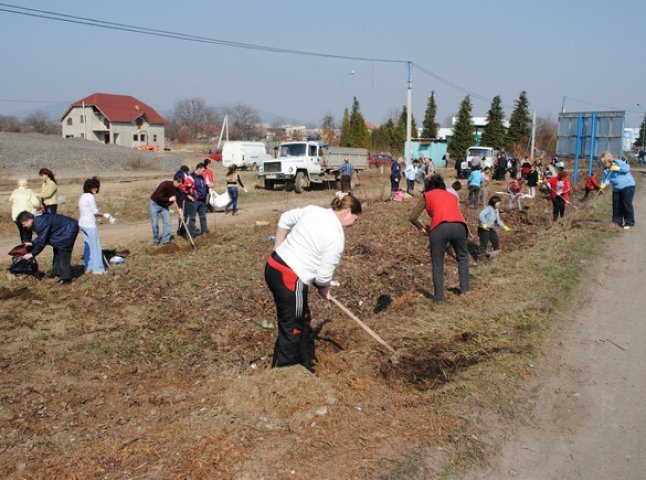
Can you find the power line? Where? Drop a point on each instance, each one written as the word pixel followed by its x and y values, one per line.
pixel 75 19
pixel 60 17
pixel 592 104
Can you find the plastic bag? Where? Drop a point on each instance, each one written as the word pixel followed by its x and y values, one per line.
pixel 219 201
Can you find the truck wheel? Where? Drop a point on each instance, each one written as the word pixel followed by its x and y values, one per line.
pixel 298 182
pixel 269 184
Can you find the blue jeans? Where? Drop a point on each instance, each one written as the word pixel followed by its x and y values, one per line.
pixel 92 253
pixel 198 208
pixel 156 210
pixel 233 204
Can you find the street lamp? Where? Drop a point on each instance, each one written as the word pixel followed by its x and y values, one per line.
pixel 343 77
pixel 643 129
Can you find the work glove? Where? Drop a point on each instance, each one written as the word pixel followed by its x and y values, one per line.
pixel 484 226
pixel 602 187
pixel 506 228
pixel 614 168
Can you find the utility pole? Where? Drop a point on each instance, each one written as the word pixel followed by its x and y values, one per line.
pixel 409 116
pixel 533 144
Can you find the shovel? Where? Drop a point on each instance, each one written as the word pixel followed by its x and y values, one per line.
pixel 395 355
pixel 181 221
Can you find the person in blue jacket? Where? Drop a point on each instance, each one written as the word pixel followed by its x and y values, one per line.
pixel 475 181
pixel 617 173
pixel 58 231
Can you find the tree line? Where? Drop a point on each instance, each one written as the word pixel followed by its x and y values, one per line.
pixel 36 122
pixel 192 119
pixel 390 136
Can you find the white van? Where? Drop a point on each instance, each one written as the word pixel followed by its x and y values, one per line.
pixel 244 154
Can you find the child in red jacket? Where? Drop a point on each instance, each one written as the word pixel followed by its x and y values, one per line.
pixel 560 194
pixel 591 185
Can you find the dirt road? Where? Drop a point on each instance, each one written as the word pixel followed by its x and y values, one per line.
pixel 587 416
pixel 119 235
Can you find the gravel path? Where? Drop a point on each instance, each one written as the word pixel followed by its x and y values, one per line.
pixel 26 153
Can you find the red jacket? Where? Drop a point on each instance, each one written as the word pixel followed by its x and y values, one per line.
pixel 553 183
pixel 442 207
pixel 591 183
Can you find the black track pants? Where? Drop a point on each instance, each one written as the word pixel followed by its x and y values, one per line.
pixel 295 343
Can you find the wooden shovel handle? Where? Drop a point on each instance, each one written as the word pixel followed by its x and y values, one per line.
pixel 368 330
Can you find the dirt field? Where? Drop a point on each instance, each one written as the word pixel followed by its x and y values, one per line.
pixel 160 369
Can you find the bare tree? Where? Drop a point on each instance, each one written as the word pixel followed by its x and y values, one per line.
pixel 193 119
pixel 546 133
pixel 40 122
pixel 328 125
pixel 246 123
pixel 9 123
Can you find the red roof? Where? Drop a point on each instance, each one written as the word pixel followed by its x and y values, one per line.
pixel 120 108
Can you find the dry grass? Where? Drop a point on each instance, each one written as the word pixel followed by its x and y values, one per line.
pixel 137 365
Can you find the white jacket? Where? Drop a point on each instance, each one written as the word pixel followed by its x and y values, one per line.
pixel 314 245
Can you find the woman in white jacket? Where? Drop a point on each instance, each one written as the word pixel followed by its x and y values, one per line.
pixel 308 247
pixel 92 253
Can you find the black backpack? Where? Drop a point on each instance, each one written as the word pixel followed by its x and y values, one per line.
pixel 20 266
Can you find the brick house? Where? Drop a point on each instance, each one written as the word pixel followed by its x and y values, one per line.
pixel 118 119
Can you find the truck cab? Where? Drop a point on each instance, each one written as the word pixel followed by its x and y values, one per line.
pixel 475 156
pixel 295 164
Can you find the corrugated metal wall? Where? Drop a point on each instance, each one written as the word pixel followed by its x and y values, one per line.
pixel 609 133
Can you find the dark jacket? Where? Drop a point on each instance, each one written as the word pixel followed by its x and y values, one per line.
pixel 200 188
pixel 164 191
pixel 58 231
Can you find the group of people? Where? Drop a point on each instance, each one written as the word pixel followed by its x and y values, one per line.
pixel 190 191
pixel 417 172
pixel 37 213
pixel 309 241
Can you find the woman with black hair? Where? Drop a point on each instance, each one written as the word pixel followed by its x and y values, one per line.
pixel 92 253
pixel 447 226
pixel 48 194
pixel 233 180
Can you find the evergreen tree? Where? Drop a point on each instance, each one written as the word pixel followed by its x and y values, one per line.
pixel 639 141
pixel 519 123
pixel 430 126
pixel 345 129
pixel 359 136
pixel 463 131
pixel 382 137
pixel 494 134
pixel 399 139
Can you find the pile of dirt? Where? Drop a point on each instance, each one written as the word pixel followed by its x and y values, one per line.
pixel 277 393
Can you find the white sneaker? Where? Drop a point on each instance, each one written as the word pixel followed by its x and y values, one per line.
pixel 627 227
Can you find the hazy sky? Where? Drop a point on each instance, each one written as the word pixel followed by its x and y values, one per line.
pixel 586 50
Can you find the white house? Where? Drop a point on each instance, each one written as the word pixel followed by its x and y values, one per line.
pixel 118 119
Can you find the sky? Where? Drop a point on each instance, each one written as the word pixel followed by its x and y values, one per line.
pixel 586 51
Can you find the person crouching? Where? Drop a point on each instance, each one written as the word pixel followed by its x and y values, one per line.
pixel 58 231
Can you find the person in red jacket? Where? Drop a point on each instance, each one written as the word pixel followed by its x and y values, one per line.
pixel 591 185
pixel 447 226
pixel 559 193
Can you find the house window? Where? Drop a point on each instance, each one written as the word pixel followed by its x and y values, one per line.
pixel 142 138
pixel 82 135
pixel 154 138
pixel 134 137
pixel 82 118
pixel 69 121
pixel 139 122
